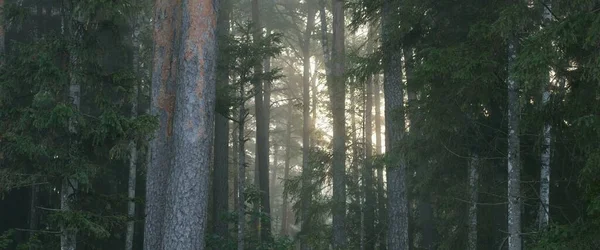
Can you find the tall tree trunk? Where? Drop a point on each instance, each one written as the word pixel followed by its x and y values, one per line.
pixel 274 173
pixel 544 209
pixel 514 165
pixel 68 240
pixel 315 105
pixel 33 223
pixel 133 149
pixel 474 200
pixel 394 123
pixel 242 113
pixel 286 170
pixel 166 16
pixel 369 208
pixel 221 145
pixel 241 170
pixel 355 173
pixel 187 117
pixel 306 126
pixel 382 216
pixel 262 123
pixel 234 165
pixel 337 90
pixel 264 171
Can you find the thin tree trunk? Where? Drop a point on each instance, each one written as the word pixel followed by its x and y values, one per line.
pixel 337 90
pixel 382 216
pixel 264 171
pixel 286 170
pixel 394 122
pixel 315 105
pixel 514 165
pixel 274 173
pixel 262 149
pixel 355 174
pixel 306 126
pixel 544 209
pixel 33 223
pixel 369 208
pixel 68 240
pixel 221 140
pixel 133 149
pixel 234 164
pixel 241 170
pixel 474 200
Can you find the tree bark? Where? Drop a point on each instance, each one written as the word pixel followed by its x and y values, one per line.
pixel 68 239
pixel 184 80
pixel 474 200
pixel 262 130
pixel 544 209
pixel 382 216
pixel 337 92
pixel 369 208
pixel 394 122
pixel 133 149
pixel 166 16
pixel 221 145
pixel 306 126
pixel 286 171
pixel 241 170
pixel 514 165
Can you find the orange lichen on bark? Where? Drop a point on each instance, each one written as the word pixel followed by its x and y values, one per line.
pixel 201 32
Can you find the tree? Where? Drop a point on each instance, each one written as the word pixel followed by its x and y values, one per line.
pixel 337 95
pixel 221 141
pixel 185 104
pixel 262 132
pixel 513 160
pixel 394 124
pixel 306 125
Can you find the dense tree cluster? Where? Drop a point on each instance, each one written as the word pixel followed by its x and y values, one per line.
pixel 313 124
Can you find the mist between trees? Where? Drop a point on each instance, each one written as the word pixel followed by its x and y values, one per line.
pixel 313 124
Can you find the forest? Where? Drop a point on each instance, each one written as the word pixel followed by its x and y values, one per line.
pixel 299 124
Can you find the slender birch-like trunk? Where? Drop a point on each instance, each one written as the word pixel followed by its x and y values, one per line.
pixel 68 240
pixel 514 164
pixel 544 209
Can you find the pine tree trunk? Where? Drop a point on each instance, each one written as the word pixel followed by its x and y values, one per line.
pixel 394 122
pixel 166 17
pixel 262 123
pixel 68 240
pixel 306 126
pixel 474 200
pixel 337 93
pixel 382 216
pixel 133 149
pixel 544 209
pixel 286 171
pixel 370 202
pixel 221 140
pixel 186 123
pixel 241 170
pixel 514 165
